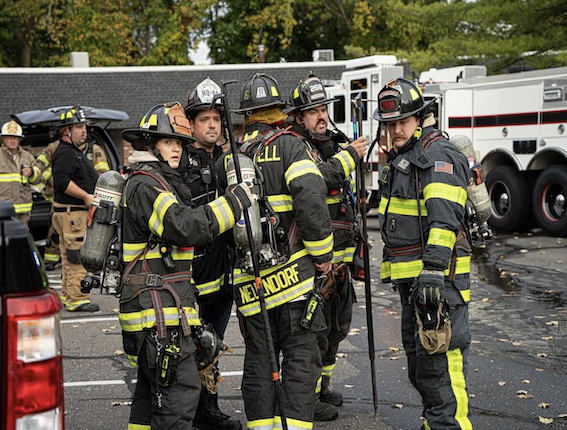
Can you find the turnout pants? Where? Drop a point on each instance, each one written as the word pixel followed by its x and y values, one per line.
pixel 440 378
pixel 71 226
pixel 51 254
pixel 179 400
pixel 300 368
pixel 338 316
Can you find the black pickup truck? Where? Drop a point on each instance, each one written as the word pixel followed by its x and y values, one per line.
pixel 31 368
pixel 39 130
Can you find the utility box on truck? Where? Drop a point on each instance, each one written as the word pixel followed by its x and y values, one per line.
pixel 517 124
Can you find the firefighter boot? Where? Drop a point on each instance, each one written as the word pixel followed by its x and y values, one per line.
pixel 210 417
pixel 325 411
pixel 329 396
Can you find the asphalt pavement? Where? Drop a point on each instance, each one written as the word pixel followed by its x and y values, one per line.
pixel 517 366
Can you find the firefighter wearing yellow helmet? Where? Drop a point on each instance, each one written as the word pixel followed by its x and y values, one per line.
pixel 158 313
pixel 16 171
pixel 426 253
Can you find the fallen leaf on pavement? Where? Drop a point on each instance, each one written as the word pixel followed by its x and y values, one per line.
pixel 393 348
pixel 523 251
pixel 545 420
pixel 484 300
pixel 349 386
pixel 502 340
pixel 544 405
pixel 118 352
pixel 106 330
pixel 525 381
pixel 542 355
pixel 501 383
pixel 523 394
pixel 547 338
pixel 553 323
pixel 125 403
pixel 397 405
pixel 520 344
pixel 341 354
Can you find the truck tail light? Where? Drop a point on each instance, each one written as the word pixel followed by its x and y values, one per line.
pixel 33 368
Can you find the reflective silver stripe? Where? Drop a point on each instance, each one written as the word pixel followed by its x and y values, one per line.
pixel 223 213
pixel 346 160
pixel 161 204
pixel 137 321
pixel 319 247
pixel 281 202
pixel 300 168
pixel 210 287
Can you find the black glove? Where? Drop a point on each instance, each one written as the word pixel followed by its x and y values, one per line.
pixel 245 195
pixel 428 288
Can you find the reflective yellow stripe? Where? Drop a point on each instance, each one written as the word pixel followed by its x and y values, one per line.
pixel 35 174
pixel 137 321
pixel 401 206
pixel 102 166
pixel 223 213
pixel 331 200
pixel 318 386
pixel 209 287
pixel 263 424
pixel 70 306
pixel 132 360
pixel 442 237
pixel 161 204
pixel 455 367
pixel 319 247
pixel 300 168
pixel 411 269
pixel 43 159
pixel 292 424
pixel 131 250
pixel 138 427
pixel 46 175
pixel 344 255
pixel 281 202
pixel 347 162
pixel 277 299
pixel 250 136
pixel 466 295
pixel 22 208
pixel 328 370
pixel 439 190
pixel 241 278
pixel 11 177
pixel 51 258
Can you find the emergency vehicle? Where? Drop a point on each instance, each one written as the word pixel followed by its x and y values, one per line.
pixel 363 77
pixel 517 125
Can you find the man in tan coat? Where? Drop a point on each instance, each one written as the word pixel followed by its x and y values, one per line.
pixel 16 172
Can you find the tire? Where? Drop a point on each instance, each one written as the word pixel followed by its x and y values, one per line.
pixel 550 200
pixel 509 200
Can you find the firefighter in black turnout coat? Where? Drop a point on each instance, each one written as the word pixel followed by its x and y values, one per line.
pixel 426 253
pixel 337 160
pixel 212 263
pixel 157 303
pixel 294 191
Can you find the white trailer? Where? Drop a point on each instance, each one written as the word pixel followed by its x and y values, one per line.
pixel 363 77
pixel 517 125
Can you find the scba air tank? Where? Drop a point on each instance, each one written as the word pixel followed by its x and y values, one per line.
pixel 476 190
pixel 240 234
pixel 102 218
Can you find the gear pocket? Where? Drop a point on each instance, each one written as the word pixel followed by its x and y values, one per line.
pixel 296 310
pixel 73 243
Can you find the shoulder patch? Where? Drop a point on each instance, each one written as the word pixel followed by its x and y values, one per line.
pixel 443 167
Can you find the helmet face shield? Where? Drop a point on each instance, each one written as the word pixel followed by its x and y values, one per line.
pixel 399 99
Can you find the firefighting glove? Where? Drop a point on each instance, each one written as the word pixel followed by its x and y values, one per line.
pixel 428 288
pixel 245 195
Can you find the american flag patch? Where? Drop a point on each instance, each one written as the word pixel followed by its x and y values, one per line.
pixel 443 167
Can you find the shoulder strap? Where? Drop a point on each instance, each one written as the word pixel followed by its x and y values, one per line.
pixel 154 174
pixel 428 139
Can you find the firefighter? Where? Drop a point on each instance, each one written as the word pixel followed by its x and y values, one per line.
pixel 74 180
pixel 213 263
pixel 16 171
pixel 157 303
pixel 426 253
pixel 43 161
pixel 336 159
pixel 295 191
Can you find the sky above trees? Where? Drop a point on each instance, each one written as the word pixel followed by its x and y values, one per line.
pixel 425 33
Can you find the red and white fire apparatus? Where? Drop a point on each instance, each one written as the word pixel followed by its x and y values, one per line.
pixel 517 125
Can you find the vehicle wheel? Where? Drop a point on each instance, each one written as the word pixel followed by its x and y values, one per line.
pixel 550 200
pixel 509 199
